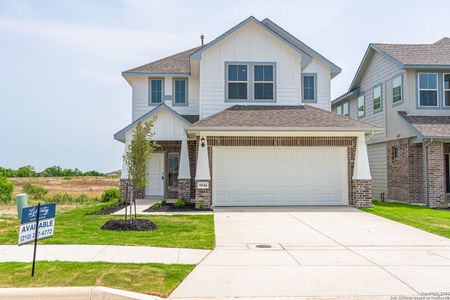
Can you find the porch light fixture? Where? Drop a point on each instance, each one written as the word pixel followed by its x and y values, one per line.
pixel 202 142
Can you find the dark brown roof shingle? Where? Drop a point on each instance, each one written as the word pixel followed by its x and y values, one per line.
pixel 299 116
pixel 175 64
pixel 419 54
pixel 429 126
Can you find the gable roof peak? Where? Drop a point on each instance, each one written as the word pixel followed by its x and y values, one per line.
pixel 444 41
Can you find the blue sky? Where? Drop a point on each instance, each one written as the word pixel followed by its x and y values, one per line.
pixel 62 96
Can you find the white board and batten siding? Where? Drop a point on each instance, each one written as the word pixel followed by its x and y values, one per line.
pixel 378 168
pixel 140 96
pixel 250 43
pixel 254 176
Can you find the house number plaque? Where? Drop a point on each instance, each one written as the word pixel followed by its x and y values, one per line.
pixel 203 185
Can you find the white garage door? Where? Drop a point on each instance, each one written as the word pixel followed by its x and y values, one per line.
pixel 257 176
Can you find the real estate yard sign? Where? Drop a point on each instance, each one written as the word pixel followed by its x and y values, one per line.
pixel 28 223
pixel 36 223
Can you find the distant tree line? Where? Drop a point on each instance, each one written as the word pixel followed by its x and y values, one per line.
pixel 55 171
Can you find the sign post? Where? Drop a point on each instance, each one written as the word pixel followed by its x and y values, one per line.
pixel 36 223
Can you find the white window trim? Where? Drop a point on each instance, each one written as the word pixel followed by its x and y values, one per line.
pixel 381 98
pixel 444 90
pixel 150 102
pixel 314 75
pixel 254 81
pixel 436 90
pixel 186 100
pixel 357 106
pixel 401 89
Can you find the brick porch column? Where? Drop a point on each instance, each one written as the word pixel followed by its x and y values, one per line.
pixel 361 180
pixel 436 175
pixel 202 175
pixel 184 173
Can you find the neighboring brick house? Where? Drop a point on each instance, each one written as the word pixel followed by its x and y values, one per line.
pixel 405 88
pixel 245 121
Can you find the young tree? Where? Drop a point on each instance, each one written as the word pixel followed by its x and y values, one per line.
pixel 139 152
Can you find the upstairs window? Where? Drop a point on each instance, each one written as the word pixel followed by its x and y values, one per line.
pixel 377 100
pixel 394 152
pixel 180 91
pixel 397 89
pixel 428 89
pixel 237 84
pixel 447 90
pixel 156 91
pixel 361 106
pixel 263 82
pixel 309 87
pixel 343 109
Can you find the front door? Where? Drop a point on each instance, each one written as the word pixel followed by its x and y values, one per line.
pixel 155 175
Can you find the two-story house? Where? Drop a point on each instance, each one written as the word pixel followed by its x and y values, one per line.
pixel 245 120
pixel 405 88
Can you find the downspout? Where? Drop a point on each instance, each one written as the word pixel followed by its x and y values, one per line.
pixel 425 170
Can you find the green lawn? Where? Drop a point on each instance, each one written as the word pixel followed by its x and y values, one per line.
pixel 75 227
pixel 431 220
pixel 154 279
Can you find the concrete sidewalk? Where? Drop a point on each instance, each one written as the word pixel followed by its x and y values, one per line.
pixel 104 253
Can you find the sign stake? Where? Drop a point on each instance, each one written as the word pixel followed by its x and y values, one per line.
pixel 36 238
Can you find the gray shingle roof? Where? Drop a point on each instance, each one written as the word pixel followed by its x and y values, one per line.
pixel 276 116
pixel 419 54
pixel 175 64
pixel 429 126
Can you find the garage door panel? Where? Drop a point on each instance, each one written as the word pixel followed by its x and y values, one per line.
pixel 279 176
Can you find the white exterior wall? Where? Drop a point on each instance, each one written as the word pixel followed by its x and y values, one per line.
pixel 323 76
pixel 248 44
pixel 140 96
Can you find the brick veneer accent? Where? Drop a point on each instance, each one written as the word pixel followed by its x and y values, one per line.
pixel 436 175
pixel 362 193
pixel 184 189
pixel 405 173
pixel 205 196
pixel 126 190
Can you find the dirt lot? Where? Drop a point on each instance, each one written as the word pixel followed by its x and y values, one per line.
pixel 92 186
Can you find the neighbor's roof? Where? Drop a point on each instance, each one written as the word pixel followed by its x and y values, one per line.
pixel 175 64
pixel 275 117
pixel 419 54
pixel 416 56
pixel 429 126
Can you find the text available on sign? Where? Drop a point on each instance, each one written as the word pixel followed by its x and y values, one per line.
pixel 46 224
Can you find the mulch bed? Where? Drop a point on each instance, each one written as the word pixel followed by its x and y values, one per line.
pixel 130 225
pixel 108 211
pixel 169 207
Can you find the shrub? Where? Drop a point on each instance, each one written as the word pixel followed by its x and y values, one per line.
pixel 155 206
pixel 180 203
pixel 6 189
pixel 201 206
pixel 111 194
pixel 35 191
pixel 163 202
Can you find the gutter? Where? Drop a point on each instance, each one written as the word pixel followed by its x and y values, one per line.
pixel 425 170
pixel 278 129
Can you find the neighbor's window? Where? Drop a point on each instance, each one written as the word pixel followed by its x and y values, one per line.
pixel 428 89
pixel 361 106
pixel 447 89
pixel 394 152
pixel 346 108
pixel 173 166
pixel 180 91
pixel 397 89
pixel 156 91
pixel 339 109
pixel 263 82
pixel 377 98
pixel 309 87
pixel 237 85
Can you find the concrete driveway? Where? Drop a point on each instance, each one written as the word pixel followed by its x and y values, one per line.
pixel 317 251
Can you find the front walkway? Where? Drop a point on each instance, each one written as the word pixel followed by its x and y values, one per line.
pixel 317 251
pixel 103 253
